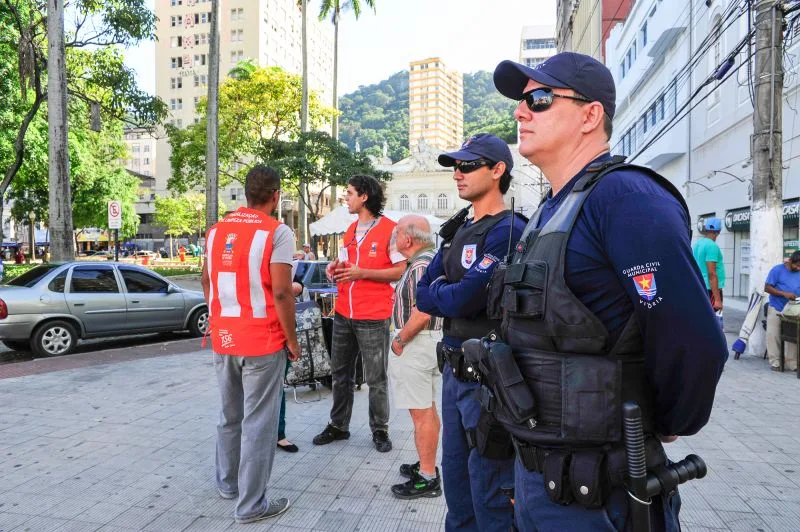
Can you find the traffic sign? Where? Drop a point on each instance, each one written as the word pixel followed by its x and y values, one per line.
pixel 114 214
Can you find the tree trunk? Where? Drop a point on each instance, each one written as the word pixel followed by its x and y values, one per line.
pixel 303 188
pixel 335 127
pixel 62 245
pixel 212 160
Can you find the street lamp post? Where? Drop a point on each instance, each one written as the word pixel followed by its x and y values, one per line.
pixel 32 218
pixel 199 209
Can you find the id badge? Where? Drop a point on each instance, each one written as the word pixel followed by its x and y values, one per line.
pixel 343 255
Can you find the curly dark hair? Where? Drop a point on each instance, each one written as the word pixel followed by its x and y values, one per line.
pixel 260 184
pixel 366 184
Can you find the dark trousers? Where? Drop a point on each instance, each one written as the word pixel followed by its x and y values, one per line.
pixel 372 338
pixel 534 511
pixel 282 418
pixel 473 485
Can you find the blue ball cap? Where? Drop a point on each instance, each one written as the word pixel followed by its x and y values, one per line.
pixel 480 146
pixel 712 224
pixel 568 70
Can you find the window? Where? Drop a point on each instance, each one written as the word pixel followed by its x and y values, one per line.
pixel 539 44
pixel 176 83
pixel 58 283
pixel 137 282
pixel 237 35
pixel 441 202
pixel 422 202
pixel 93 280
pixel 236 56
pixel 200 59
pixel 176 62
pixel 715 57
pixel 533 61
pixel 135 148
pixel 146 148
pixel 405 204
pixel 174 3
pixel 30 278
pixel 175 21
pixel 146 160
pixel 644 34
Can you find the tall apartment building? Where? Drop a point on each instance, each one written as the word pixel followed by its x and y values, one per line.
pixel 435 105
pixel 266 31
pixel 537 44
pixel 582 27
pixel 142 164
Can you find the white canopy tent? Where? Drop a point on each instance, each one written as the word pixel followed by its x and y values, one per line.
pixel 338 220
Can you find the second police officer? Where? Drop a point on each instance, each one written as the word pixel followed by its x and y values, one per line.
pixel 477 487
pixel 601 304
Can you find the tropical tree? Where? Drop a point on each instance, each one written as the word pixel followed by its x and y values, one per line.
pixel 333 8
pixel 95 72
pixel 254 105
pixel 182 215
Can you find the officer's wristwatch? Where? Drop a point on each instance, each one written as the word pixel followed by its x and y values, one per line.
pixel 399 340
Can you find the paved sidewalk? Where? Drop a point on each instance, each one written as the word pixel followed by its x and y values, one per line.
pixel 129 446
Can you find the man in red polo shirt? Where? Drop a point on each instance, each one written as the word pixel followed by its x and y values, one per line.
pixel 363 271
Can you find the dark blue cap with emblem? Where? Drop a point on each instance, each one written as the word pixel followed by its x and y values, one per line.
pixel 568 70
pixel 480 146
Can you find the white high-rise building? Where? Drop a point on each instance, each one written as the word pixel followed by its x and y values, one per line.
pixel 266 31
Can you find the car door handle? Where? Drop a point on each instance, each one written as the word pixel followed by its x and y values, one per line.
pixel 134 301
pixel 78 304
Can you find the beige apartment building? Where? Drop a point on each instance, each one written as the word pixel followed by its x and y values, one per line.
pixel 266 31
pixel 141 163
pixel 435 105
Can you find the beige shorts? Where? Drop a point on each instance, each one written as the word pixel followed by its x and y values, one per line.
pixel 414 375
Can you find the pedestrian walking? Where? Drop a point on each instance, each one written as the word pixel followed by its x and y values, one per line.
pixel 247 282
pixel 363 271
pixel 413 369
pixel 710 261
pixel 782 285
pixel 477 480
pixel 601 304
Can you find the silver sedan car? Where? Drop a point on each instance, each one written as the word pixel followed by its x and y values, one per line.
pixel 49 308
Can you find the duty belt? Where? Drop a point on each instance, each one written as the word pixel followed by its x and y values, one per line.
pixel 461 369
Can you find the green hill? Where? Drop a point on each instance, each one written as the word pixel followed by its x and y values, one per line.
pixel 377 113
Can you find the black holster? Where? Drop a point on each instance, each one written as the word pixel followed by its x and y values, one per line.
pixel 492 439
pixel 440 356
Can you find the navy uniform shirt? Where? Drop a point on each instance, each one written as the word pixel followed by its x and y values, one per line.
pixel 630 251
pixel 467 297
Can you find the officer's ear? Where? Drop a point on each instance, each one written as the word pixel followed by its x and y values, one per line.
pixel 498 170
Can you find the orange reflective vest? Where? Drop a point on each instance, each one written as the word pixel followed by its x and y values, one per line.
pixel 365 299
pixel 242 312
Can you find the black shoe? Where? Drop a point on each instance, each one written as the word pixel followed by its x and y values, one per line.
pixel 381 440
pixel 289 448
pixel 330 434
pixel 409 470
pixel 419 487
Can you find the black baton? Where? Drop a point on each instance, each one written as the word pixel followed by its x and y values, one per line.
pixel 637 467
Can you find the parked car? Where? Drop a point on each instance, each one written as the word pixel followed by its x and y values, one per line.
pixel 312 274
pixel 50 307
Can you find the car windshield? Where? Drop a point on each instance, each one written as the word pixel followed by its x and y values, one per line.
pixel 31 277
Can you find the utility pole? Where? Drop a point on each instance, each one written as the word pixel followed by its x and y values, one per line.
pixel 62 241
pixel 301 208
pixel 766 211
pixel 212 121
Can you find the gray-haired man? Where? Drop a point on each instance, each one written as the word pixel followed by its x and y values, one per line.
pixel 413 370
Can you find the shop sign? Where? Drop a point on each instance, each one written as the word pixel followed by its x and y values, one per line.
pixel 739 219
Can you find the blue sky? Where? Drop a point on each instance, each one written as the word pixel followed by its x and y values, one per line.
pixel 469 35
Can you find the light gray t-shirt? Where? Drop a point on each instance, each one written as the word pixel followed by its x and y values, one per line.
pixel 282 245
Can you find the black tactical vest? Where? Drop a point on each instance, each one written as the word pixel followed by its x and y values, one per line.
pixel 459 255
pixel 579 381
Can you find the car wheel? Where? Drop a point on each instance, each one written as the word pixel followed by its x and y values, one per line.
pixel 198 323
pixel 54 338
pixel 17 345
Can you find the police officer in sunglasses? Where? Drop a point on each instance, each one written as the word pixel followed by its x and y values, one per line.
pixel 601 303
pixel 478 481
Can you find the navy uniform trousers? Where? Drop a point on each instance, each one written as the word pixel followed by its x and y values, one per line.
pixel 476 488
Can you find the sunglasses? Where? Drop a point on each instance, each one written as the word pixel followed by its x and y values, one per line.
pixel 465 167
pixel 539 100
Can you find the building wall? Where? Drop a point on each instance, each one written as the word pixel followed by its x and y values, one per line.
pixel 707 153
pixel 536 44
pixel 267 31
pixel 583 27
pixel 436 105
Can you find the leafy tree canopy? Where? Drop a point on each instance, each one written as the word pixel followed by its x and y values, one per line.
pixel 255 105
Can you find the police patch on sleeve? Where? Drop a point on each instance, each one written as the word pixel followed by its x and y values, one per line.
pixel 643 277
pixel 486 262
pixel 468 255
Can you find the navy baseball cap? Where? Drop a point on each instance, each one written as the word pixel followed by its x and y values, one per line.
pixel 480 146
pixel 584 74
pixel 713 224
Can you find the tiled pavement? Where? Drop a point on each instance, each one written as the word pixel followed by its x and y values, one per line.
pixel 128 446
